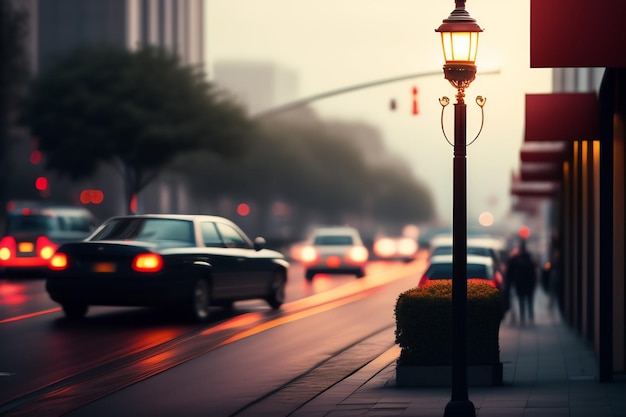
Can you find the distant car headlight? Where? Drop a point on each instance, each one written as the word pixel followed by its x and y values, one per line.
pixel 385 247
pixel 358 254
pixel 309 255
pixel 407 247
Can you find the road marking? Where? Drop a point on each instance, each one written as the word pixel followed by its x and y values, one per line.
pixel 316 303
pixel 31 315
pixel 293 317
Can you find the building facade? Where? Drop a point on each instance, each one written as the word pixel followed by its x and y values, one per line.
pixel 578 133
pixel 177 25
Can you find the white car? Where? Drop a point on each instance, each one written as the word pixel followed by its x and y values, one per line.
pixel 481 246
pixel 478 267
pixel 334 250
pixel 401 248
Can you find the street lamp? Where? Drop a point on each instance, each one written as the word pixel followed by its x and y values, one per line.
pixel 459 39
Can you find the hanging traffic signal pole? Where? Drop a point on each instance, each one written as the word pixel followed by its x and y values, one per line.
pixel 303 102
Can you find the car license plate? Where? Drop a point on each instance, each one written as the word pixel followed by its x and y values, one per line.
pixel 26 247
pixel 104 267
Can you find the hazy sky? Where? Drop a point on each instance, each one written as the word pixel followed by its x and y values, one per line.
pixel 332 44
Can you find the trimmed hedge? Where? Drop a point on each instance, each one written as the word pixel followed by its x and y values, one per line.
pixel 424 324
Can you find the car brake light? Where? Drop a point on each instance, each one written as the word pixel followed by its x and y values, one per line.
pixel 148 262
pixel 358 254
pixel 309 254
pixel 7 248
pixel 499 280
pixel 45 248
pixel 58 262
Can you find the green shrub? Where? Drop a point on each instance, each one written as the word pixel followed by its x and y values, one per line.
pixel 424 324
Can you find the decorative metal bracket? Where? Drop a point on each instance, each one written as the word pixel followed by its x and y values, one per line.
pixel 480 100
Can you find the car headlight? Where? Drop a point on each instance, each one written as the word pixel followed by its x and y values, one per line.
pixel 358 254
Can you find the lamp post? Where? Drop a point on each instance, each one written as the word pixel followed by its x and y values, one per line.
pixel 459 38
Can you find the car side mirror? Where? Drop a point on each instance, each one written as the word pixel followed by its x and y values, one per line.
pixel 259 243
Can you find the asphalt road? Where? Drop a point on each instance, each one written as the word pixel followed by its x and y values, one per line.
pixel 125 361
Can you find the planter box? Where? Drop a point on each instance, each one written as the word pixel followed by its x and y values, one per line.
pixel 440 376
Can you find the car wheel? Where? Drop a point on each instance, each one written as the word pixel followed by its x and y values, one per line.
pixel 277 291
pixel 360 273
pixel 200 301
pixel 309 275
pixel 75 310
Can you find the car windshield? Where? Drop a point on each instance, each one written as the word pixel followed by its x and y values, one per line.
pixel 148 230
pixel 332 240
pixel 444 271
pixel 31 223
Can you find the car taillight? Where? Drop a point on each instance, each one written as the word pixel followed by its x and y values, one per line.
pixel 423 281
pixel 45 248
pixel 148 262
pixel 358 254
pixel 58 262
pixel 309 255
pixel 7 248
pixel 499 279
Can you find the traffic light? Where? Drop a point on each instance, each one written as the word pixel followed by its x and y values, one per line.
pixel 243 209
pixel 41 183
pixel 392 104
pixel 415 107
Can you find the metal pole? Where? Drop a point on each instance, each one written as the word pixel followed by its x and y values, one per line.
pixel 307 100
pixel 459 404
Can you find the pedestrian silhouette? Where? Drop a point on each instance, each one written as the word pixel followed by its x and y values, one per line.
pixel 522 277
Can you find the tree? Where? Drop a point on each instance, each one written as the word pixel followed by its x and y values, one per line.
pixel 320 169
pixel 136 110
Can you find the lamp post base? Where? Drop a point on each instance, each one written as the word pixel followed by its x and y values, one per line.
pixel 460 409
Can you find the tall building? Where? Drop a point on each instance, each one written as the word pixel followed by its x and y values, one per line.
pixel 58 26
pixel 177 25
pixel 576 80
pixel 257 85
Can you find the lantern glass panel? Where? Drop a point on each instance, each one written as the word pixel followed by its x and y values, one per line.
pixel 459 47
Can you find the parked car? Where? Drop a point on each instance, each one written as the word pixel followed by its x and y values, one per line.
pixel 187 262
pixel 33 234
pixel 334 250
pixel 482 246
pixel 478 267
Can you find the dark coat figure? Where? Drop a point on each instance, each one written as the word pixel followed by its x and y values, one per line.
pixel 522 276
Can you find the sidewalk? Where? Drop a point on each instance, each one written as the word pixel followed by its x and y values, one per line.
pixel 548 371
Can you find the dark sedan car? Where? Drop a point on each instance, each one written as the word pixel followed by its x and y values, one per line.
pixel 185 262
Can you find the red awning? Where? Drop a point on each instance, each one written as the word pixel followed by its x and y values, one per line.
pixel 529 205
pixel 543 152
pixel 535 189
pixel 541 171
pixel 561 117
pixel 577 33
